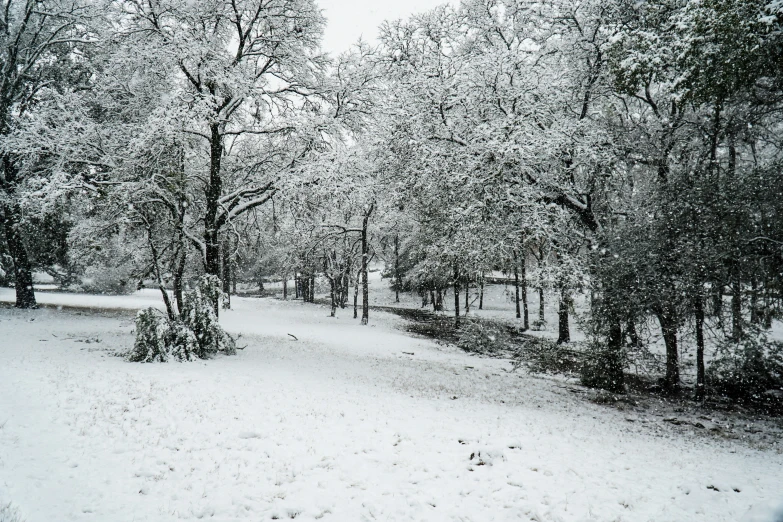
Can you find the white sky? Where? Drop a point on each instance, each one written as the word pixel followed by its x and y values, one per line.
pixel 347 20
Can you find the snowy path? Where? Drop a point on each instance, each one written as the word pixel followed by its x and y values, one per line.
pixel 340 425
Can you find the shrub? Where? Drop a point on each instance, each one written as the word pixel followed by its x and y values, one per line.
pixel 484 337
pixel 750 370
pixel 151 333
pixel 108 280
pixel 602 368
pixel 8 513
pixel 547 357
pixel 195 334
pixel 198 314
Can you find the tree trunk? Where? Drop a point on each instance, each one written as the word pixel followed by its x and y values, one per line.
pixel 563 329
pixel 365 261
pixel 23 274
pixel 456 295
pixel 736 305
pixel 516 286
pixel 11 221
pixel 226 275
pixel 333 297
pixel 285 288
pixel 356 296
pixel 671 382
pixel 525 310
pixel 481 291
pixel 212 193
pixel 397 278
pixel 754 301
pixel 541 305
pixel 179 272
pixel 615 380
pixel 467 296
pixel 633 336
pixel 699 313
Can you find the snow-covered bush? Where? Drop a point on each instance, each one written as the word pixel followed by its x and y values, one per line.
pixel 198 314
pixel 484 337
pixel 151 330
pixel 601 367
pixel 8 513
pixel 195 334
pixel 545 356
pixel 107 280
pixel 750 370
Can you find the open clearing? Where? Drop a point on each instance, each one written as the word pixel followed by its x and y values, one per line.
pixel 346 423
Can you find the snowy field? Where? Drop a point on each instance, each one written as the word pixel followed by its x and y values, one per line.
pixel 347 423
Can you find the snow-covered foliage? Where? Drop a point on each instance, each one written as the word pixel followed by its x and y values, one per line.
pixel 194 334
pixel 749 370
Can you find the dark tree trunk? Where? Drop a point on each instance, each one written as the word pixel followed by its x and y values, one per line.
pixel 736 305
pixel 179 272
pixel 226 275
pixel 213 190
pixel 671 381
pixel 541 305
pixel 523 285
pixel 467 296
pixel 615 380
pixel 398 279
pixel 456 295
pixel 717 303
pixel 356 296
pixel 11 221
pixel 481 291
pixel 563 329
pixel 516 286
pixel 23 273
pixel 333 297
pixel 365 261
pixel 312 288
pixel 754 301
pixel 633 336
pixel 700 379
pixel 285 288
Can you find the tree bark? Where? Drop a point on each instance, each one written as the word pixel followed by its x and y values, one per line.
pixel 516 286
pixel 12 221
pixel 671 382
pixel 481 291
pixel 467 296
pixel 563 329
pixel 456 295
pixel 356 295
pixel 365 261
pixel 736 305
pixel 541 305
pixel 525 310
pixel 397 278
pixel 212 194
pixel 226 275
pixel 700 374
pixel 285 288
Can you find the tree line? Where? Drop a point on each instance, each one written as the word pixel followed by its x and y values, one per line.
pixel 626 150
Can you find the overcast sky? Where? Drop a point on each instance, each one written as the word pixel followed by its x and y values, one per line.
pixel 347 20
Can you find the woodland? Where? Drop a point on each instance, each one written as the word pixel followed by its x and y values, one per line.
pixel 622 154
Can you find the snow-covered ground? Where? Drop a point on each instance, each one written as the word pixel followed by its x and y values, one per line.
pixel 346 423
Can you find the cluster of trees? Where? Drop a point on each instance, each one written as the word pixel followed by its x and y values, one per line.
pixel 627 148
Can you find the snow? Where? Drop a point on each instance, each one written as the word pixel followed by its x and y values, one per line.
pixel 338 425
